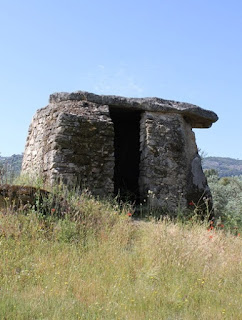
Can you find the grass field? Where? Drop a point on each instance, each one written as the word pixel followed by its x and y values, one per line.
pixel 105 265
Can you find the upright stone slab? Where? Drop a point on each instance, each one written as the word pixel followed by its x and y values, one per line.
pixel 72 142
pixel 114 145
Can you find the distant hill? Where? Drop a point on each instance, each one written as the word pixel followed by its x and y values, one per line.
pixel 226 167
pixel 11 165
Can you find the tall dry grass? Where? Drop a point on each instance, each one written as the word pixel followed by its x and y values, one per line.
pixel 106 265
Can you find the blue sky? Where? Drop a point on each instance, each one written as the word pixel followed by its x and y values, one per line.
pixel 188 50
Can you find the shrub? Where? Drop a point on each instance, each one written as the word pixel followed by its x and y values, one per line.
pixel 227 200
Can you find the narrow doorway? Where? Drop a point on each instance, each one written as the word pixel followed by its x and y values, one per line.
pixel 126 152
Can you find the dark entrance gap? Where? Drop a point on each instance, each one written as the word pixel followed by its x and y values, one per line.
pixel 126 152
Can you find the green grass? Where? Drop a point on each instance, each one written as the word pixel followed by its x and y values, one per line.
pixel 104 265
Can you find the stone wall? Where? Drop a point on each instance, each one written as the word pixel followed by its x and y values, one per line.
pixel 75 147
pixel 85 153
pixel 167 149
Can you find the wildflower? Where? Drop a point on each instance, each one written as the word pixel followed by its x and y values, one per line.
pixel 129 214
pixel 191 203
pixel 211 227
pixel 52 210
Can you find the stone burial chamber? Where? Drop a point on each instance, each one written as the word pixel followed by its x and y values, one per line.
pixel 142 149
